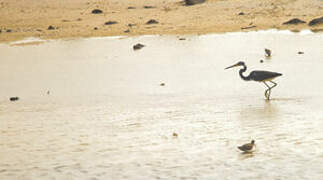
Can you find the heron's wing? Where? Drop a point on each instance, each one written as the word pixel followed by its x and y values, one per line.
pixel 263 75
pixel 246 147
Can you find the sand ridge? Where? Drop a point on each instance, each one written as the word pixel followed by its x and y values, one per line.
pixel 71 19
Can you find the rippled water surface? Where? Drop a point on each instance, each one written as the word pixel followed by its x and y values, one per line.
pixel 106 116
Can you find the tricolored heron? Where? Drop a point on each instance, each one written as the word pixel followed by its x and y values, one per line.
pixel 259 76
pixel 249 147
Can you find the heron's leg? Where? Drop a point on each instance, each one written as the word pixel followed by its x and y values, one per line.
pixel 268 90
pixel 275 84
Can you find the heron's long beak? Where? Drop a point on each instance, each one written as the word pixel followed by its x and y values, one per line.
pixel 232 66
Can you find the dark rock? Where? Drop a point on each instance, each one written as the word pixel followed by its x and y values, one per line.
pixel 127 31
pixel 193 2
pixel 149 7
pixel 0 31
pixel 175 134
pixel 152 21
pixel 138 46
pixel 79 19
pixel 300 52
pixel 316 21
pixel 14 98
pixel 9 30
pixel 130 25
pixel 130 7
pixel 294 21
pixel 261 61
pixel 50 27
pixel 39 30
pixel 162 84
pixel 97 11
pixel 241 13
pixel 110 22
pixel 181 39
pixel 95 28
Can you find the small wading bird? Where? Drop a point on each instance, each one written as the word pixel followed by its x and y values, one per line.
pixel 249 147
pixel 259 76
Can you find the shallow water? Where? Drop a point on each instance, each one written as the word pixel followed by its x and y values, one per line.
pixel 107 117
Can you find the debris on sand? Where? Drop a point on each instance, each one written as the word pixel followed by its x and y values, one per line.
pixel 9 30
pixel 294 21
pixel 149 7
pixel 261 61
pixel 241 14
pixel 110 22
pixel 152 21
pixel 193 2
pixel 131 7
pixel 181 39
pixel 95 28
pixel 162 84
pixel 50 27
pixel 300 52
pixel 97 11
pixel 316 21
pixel 14 98
pixel 127 31
pixel 248 27
pixel 138 46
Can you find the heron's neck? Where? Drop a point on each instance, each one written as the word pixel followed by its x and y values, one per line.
pixel 246 78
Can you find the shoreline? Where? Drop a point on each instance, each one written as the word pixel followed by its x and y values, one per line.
pixel 56 20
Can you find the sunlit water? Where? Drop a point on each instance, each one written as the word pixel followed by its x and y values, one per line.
pixel 107 117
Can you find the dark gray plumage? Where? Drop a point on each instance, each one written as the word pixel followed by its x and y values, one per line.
pixel 249 147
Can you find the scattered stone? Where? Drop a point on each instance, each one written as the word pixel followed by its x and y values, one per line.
pixel 316 21
pixel 97 11
pixel 110 22
pixel 261 61
pixel 14 98
pixel 248 27
pixel 162 84
pixel 50 27
pixel 175 134
pixel 317 30
pixel 127 31
pixel 138 46
pixel 79 19
pixel 300 52
pixel 193 2
pixel 0 31
pixel 65 20
pixel 48 92
pixel 131 7
pixel 152 21
pixel 149 7
pixel 39 30
pixel 9 30
pixel 294 21
pixel 241 14
pixel 95 28
pixel 181 39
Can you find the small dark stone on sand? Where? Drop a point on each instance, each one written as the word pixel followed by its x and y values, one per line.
pixel 316 21
pixel 97 11
pixel 241 13
pixel 261 61
pixel 9 30
pixel 39 30
pixel 50 27
pixel 193 2
pixel 95 28
pixel 0 31
pixel 138 46
pixel 294 21
pixel 152 21
pixel 162 84
pixel 181 39
pixel 149 7
pixel 131 7
pixel 127 31
pixel 110 22
pixel 175 134
pixel 14 98
pixel 79 19
pixel 300 52
pixel 130 25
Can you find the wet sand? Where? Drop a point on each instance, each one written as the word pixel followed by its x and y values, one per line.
pixel 72 19
pixel 107 117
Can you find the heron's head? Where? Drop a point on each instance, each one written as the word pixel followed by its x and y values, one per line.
pixel 240 63
pixel 253 142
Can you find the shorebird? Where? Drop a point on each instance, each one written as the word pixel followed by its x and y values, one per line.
pixel 268 52
pixel 249 147
pixel 259 76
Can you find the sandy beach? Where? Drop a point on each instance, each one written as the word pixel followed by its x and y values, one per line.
pixel 52 19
